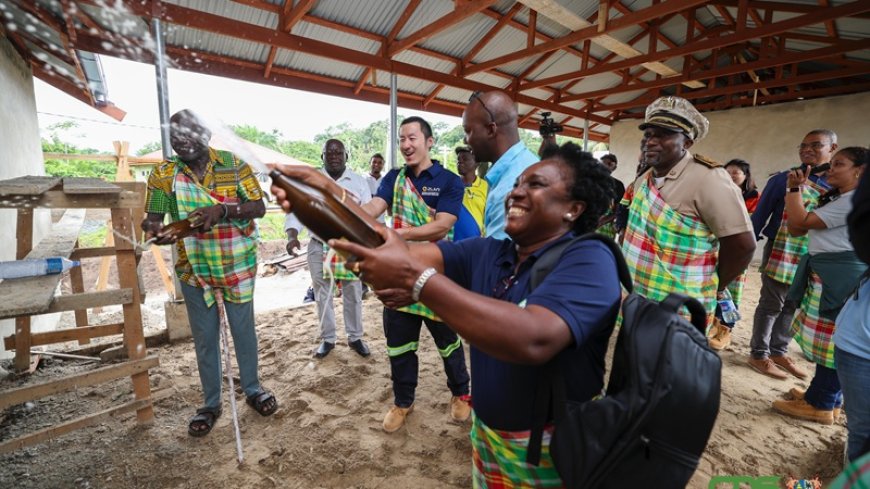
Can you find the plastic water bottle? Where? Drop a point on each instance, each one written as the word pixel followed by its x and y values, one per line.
pixel 35 268
pixel 730 314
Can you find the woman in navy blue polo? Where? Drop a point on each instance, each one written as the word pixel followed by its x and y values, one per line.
pixel 511 329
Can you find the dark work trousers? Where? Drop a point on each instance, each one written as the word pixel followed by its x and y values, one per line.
pixel 771 326
pixel 403 335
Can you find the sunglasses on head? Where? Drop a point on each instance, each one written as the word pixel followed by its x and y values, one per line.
pixel 477 96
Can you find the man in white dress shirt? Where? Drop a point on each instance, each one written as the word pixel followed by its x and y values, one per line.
pixel 334 158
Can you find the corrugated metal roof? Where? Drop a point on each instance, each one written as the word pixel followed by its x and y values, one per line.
pixel 194 39
pixel 377 16
pixel 432 63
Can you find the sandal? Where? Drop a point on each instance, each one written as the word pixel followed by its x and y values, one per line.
pixel 202 423
pixel 263 402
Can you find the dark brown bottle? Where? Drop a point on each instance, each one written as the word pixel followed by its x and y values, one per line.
pixel 181 229
pixel 324 215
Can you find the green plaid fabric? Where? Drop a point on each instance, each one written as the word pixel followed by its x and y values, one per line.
pixel 787 250
pixel 813 333
pixel 736 288
pixel 856 475
pixel 410 211
pixel 669 252
pixel 499 459
pixel 225 257
pixel 608 228
pixel 336 265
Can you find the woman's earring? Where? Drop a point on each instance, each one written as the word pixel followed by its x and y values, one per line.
pixel 568 216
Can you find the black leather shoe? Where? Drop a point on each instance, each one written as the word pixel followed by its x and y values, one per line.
pixel 309 296
pixel 360 347
pixel 324 349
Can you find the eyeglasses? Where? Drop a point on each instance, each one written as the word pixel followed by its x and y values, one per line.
pixel 502 286
pixel 816 145
pixel 476 96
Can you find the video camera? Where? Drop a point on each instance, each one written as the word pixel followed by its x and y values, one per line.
pixel 548 125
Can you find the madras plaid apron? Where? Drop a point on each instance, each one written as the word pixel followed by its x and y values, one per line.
pixel 410 211
pixel 787 250
pixel 608 228
pixel 669 252
pixel 225 257
pixel 812 332
pixel 335 264
pixel 498 459
pixel 736 288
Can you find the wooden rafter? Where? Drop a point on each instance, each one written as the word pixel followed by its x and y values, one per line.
pixel 787 59
pixel 643 15
pixel 712 43
pixel 287 18
pixel 741 61
pixel 493 31
pixel 249 71
pixel 391 36
pixel 749 87
pixel 790 7
pixel 461 12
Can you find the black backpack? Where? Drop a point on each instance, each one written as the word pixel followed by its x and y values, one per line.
pixel 661 401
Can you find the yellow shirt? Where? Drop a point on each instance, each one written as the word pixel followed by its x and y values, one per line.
pixel 475 199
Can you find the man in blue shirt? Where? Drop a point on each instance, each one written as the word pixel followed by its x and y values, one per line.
pixel 490 125
pixel 771 327
pixel 425 200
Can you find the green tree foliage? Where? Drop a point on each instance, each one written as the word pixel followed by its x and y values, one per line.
pixel 255 135
pixel 54 143
pixel 302 150
pixel 149 148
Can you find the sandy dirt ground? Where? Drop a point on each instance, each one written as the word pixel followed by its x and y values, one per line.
pixel 327 432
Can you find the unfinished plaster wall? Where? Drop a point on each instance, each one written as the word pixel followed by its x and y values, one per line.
pixel 20 154
pixel 767 137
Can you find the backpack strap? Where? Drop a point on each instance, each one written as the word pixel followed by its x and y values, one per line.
pixel 548 260
pixel 552 384
pixel 674 301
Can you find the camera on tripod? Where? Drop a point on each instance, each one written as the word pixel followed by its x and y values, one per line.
pixel 549 127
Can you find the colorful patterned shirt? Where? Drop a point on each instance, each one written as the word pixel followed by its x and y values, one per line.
pixel 226 177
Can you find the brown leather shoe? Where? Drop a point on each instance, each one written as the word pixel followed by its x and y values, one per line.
pixel 803 410
pixel 766 366
pixel 800 394
pixel 719 336
pixel 789 366
pixel 460 407
pixel 395 418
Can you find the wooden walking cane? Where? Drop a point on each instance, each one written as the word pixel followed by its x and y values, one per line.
pixel 225 344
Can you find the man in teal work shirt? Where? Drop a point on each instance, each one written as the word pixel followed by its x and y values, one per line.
pixel 490 125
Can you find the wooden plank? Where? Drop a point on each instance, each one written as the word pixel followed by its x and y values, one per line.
pixel 77 282
pixel 105 263
pixel 81 157
pixel 24 234
pixel 70 334
pixel 89 186
pixel 87 300
pixel 164 271
pixel 75 424
pixel 19 395
pixel 80 253
pixel 28 185
pixel 58 199
pixel 33 295
pixel 134 336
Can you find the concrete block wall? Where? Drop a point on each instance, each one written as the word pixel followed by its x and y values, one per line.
pixel 20 154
